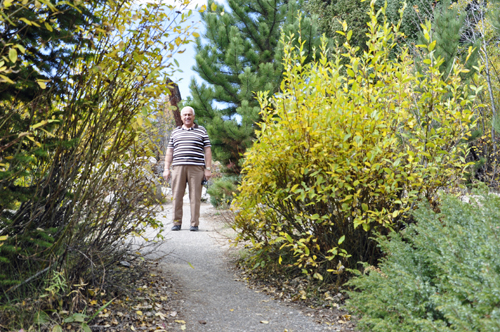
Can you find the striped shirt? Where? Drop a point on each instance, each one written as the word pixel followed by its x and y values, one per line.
pixel 189 145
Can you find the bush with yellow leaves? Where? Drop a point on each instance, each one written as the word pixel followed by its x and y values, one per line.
pixel 345 151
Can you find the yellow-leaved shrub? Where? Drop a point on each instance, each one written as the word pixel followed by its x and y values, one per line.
pixel 346 149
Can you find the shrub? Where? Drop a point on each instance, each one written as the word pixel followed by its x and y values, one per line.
pixel 345 152
pixel 441 274
pixel 223 190
pixel 74 191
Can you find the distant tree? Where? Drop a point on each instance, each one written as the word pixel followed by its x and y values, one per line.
pixel 482 22
pixel 242 55
pixel 355 13
pixel 332 13
pixel 449 32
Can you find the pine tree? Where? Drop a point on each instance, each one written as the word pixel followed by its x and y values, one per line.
pixel 242 56
pixel 48 33
pixel 355 13
pixel 333 13
pixel 38 40
pixel 448 30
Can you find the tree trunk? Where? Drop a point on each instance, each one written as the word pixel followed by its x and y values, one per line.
pixel 175 98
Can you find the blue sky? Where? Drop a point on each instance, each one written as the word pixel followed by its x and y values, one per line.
pixel 186 60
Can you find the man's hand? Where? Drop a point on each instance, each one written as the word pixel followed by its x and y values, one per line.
pixel 166 174
pixel 208 174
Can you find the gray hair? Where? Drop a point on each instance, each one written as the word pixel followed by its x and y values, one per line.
pixel 187 108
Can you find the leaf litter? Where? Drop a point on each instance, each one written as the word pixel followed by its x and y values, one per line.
pixel 151 304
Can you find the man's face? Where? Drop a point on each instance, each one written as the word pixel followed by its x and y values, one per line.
pixel 187 118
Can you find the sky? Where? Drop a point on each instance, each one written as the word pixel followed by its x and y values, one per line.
pixel 186 60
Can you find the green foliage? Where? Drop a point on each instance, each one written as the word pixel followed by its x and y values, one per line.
pixel 242 55
pixel 447 30
pixel 345 152
pixel 440 274
pixel 223 190
pixel 333 13
pixel 356 15
pixel 481 18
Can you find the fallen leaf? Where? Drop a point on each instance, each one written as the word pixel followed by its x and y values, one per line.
pixel 231 309
pixel 180 321
pixel 264 322
pixel 139 312
pixel 202 322
pixel 183 327
pixel 161 315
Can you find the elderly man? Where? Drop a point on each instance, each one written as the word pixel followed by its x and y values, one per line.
pixel 190 156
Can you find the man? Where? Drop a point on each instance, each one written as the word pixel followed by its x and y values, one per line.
pixel 190 156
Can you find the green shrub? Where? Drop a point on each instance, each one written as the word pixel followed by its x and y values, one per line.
pixel 223 190
pixel 344 152
pixel 441 274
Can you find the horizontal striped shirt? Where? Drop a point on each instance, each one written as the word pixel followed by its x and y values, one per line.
pixel 189 145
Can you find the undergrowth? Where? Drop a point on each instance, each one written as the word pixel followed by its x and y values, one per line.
pixel 441 274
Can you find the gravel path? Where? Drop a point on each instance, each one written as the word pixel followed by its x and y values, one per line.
pixel 213 299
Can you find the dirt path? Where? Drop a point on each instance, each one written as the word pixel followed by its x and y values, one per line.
pixel 213 299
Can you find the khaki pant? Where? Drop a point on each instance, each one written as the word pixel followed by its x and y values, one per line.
pixel 193 175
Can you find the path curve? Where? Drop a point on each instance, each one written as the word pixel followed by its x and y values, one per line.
pixel 213 299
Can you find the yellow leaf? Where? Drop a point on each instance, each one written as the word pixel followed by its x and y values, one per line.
pixel 6 79
pixel 161 315
pixel 28 22
pixel 318 276
pixel 196 34
pixel 139 312
pixel 180 321
pixel 349 35
pixel 7 3
pixel 178 41
pixel 48 27
pixel 202 9
pixel 57 328
pixel 213 6
pixel 42 84
pixel 432 45
pixel 13 55
pixel 20 48
pixel 39 124
pixel 183 327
